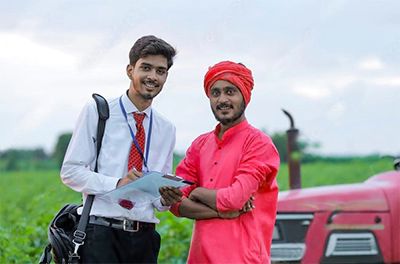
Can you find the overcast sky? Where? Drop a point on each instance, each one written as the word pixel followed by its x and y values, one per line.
pixel 334 65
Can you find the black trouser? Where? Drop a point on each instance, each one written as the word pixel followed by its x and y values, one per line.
pixel 110 245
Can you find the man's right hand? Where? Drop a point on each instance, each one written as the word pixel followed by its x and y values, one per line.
pixel 130 176
pixel 247 207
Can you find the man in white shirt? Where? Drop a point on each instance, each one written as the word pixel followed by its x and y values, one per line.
pixel 107 238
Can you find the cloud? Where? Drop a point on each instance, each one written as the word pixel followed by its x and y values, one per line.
pixel 310 58
pixel 337 110
pixel 16 49
pixel 318 86
pixel 32 82
pixel 313 92
pixel 385 81
pixel 323 86
pixel 371 64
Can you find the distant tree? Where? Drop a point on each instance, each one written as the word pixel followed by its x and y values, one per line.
pixel 280 141
pixel 11 164
pixel 24 159
pixel 39 154
pixel 61 148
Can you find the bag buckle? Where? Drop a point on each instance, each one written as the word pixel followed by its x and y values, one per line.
pixel 79 236
pixel 129 226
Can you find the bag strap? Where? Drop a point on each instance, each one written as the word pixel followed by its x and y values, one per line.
pixel 79 235
pixel 46 257
pixel 104 114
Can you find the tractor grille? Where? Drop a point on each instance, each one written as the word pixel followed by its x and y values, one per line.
pixel 288 252
pixel 288 238
pixel 351 244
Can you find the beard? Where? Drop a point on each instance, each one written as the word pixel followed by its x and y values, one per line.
pixel 140 88
pixel 147 96
pixel 236 116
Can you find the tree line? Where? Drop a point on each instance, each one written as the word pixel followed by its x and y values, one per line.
pixel 38 159
pixel 35 159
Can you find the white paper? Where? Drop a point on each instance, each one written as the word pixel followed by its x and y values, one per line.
pixel 144 190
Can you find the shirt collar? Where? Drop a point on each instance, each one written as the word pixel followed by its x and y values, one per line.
pixel 130 107
pixel 233 130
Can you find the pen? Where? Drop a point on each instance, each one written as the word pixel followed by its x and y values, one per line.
pixel 143 171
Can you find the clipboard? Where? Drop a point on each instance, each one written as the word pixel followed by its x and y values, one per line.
pixel 144 190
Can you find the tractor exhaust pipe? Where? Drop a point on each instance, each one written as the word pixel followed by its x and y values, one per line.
pixel 293 154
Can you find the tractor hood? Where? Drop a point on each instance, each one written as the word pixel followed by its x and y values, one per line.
pixel 347 197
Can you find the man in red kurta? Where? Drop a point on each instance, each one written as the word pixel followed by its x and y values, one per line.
pixel 234 168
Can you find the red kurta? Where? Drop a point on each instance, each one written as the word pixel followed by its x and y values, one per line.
pixel 244 163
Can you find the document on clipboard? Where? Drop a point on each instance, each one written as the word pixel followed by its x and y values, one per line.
pixel 144 190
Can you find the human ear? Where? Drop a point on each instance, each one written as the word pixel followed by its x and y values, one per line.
pixel 129 71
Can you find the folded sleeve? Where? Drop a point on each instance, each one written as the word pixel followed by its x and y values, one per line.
pixel 258 168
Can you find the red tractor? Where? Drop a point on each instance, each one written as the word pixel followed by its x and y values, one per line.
pixel 349 223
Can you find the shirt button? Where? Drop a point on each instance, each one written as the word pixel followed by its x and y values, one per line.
pixel 211 179
pixel 219 147
pixel 215 163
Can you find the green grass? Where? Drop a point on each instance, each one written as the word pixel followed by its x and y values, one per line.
pixel 30 199
pixel 28 202
pixel 322 173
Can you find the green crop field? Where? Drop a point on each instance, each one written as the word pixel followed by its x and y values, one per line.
pixel 29 200
pixel 322 173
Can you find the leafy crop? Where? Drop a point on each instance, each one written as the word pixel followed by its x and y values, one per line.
pixel 30 199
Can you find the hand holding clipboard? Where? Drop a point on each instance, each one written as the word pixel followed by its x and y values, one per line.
pixel 146 189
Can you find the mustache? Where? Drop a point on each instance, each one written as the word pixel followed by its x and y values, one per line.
pixel 220 106
pixel 147 81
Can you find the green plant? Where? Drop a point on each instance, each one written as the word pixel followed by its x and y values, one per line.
pixel 175 238
pixel 30 199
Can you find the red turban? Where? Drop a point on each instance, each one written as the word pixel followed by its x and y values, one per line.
pixel 235 73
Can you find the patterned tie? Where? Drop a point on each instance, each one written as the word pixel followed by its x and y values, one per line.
pixel 135 158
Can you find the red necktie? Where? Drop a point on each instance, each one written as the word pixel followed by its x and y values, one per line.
pixel 135 158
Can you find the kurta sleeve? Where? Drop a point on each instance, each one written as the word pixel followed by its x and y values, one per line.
pixel 258 168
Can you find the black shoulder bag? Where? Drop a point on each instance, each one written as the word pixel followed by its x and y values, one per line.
pixel 66 232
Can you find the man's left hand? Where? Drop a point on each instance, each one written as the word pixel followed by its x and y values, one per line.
pixel 170 195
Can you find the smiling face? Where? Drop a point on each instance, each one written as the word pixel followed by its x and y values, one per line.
pixel 227 103
pixel 147 76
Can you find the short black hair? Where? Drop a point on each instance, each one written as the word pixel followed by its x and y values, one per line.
pixel 151 45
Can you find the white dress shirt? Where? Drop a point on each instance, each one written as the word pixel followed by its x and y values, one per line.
pixel 79 161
